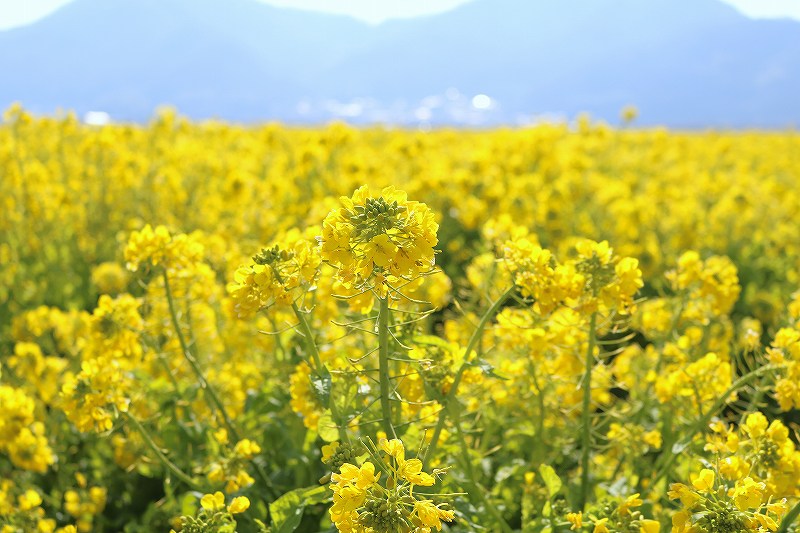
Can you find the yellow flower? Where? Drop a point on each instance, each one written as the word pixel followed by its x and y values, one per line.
pixel 778 508
pixel 687 496
pixel 98 496
pixel 755 425
pixel 629 113
pixel 649 526
pixel 653 439
pixel 747 494
pixel 380 250
pixel 394 448
pixel 221 436
pixel 411 471
pixel 213 502
pixel 246 449
pixel 160 248
pixel 432 516
pixel 350 490
pixel 277 275
pixel 328 450
pixel 576 519
pixel 681 520
pixel 600 526
pixel 766 522
pixel 704 481
pixel 630 502
pixel 109 278
pixel 29 500
pixel 361 477
pixel 239 505
pixel 379 239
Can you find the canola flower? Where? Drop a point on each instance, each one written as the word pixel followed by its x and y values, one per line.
pixel 590 329
pixel 361 503
pixel 157 247
pixel 214 515
pixel 276 275
pixel 596 279
pixel 710 507
pixel 375 242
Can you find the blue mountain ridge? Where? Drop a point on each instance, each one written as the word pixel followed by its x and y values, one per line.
pixel 684 63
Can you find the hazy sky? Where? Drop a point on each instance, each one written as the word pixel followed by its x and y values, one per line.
pixel 19 12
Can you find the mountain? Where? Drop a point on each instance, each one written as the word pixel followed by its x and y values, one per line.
pixel 684 63
pixel 237 59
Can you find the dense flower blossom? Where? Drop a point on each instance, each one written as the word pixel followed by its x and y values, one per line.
pixel 152 353
pixel 387 238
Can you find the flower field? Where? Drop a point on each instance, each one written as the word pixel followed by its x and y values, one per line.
pixel 215 328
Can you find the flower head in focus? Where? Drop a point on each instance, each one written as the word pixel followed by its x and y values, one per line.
pixel 373 241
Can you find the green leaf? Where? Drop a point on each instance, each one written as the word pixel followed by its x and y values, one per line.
pixel 487 369
pixel 287 511
pixel 551 479
pixel 189 503
pixel 327 428
pixel 546 510
pixel 321 385
pixel 433 340
pixel 679 447
pixel 506 471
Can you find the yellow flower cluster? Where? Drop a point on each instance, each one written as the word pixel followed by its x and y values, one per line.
pixel 84 504
pixel 619 515
pixel 158 248
pixel 21 511
pixel 40 372
pixel 710 506
pixel 303 401
pixel 216 502
pixel 188 370
pixel 362 504
pixel 276 274
pixel 93 397
pixel 109 278
pixel 594 279
pixel 712 286
pixel 698 382
pixel 22 434
pixel 379 240
pixel 785 350
pixel 231 467
pixel 760 449
pixel 213 516
pixel 70 190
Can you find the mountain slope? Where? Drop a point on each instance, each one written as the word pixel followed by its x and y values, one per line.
pixel 683 62
pixel 236 59
pixel 691 63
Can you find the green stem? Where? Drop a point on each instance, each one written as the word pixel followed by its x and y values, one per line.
pixel 586 419
pixel 164 363
pixel 790 518
pixel 383 362
pixel 172 467
pixel 703 421
pixel 308 334
pixel 478 490
pixel 451 394
pixel 168 370
pixel 319 368
pixel 278 343
pixel 211 395
pixel 539 443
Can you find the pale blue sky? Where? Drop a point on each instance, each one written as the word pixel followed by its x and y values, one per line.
pixel 20 12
